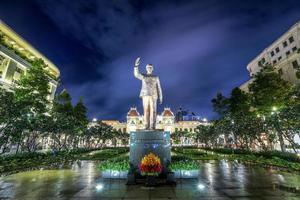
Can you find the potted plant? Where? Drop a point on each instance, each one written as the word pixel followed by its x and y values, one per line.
pixel 150 167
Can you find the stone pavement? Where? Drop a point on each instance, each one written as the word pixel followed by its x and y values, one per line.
pixel 217 180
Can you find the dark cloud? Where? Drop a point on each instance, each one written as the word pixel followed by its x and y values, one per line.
pixel 197 48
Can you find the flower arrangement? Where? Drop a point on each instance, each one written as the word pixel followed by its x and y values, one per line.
pixel 150 165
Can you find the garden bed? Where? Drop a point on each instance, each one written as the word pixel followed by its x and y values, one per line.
pixel 117 168
pixel 30 161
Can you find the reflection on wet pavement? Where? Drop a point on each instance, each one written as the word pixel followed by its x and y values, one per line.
pixel 217 180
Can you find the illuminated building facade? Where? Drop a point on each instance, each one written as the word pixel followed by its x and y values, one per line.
pixel 15 57
pixel 165 121
pixel 283 54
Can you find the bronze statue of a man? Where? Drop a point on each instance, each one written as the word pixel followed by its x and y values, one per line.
pixel 150 92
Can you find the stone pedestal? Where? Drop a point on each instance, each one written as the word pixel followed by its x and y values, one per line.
pixel 145 141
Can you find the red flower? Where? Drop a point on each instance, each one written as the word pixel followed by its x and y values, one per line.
pixel 150 164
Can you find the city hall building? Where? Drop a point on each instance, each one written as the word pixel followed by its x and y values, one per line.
pixel 165 121
pixel 15 57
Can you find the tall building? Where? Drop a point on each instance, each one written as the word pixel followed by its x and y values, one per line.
pixel 15 57
pixel 164 121
pixel 283 54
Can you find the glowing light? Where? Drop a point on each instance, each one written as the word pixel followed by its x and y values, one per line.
pixel 274 108
pixel 99 186
pixel 204 119
pixel 201 186
pixel 94 119
pixel 115 173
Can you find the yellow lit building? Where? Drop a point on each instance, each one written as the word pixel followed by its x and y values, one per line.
pixel 164 121
pixel 15 57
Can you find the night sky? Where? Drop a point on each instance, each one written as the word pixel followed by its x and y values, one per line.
pixel 197 47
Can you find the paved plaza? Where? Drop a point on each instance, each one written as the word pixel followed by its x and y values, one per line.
pixel 217 180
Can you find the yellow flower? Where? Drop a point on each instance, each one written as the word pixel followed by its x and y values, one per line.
pixel 150 159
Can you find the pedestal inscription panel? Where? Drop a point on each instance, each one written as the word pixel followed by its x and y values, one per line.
pixel 145 141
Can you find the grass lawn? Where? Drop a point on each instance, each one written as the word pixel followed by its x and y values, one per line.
pixel 284 161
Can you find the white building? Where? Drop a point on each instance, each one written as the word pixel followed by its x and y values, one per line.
pixel 164 121
pixel 283 54
pixel 15 57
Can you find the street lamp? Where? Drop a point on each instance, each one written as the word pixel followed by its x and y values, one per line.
pixel 94 119
pixel 204 119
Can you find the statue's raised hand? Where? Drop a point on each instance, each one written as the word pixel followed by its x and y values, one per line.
pixel 137 62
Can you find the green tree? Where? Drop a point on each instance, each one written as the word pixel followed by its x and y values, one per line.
pixel 289 117
pixel 8 115
pixel 204 134
pixel 220 104
pixel 63 120
pixel 179 136
pixel 270 93
pixel 238 123
pixel 31 98
pixel 81 122
pixel 98 133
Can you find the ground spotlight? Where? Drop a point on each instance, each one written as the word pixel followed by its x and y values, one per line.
pixel 99 186
pixel 201 186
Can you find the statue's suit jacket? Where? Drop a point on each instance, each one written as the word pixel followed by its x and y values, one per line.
pixel 150 84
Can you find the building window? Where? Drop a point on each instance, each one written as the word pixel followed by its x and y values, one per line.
pixel 295 64
pixel 284 44
pixel 272 53
pixel 19 70
pixel 280 72
pixel 294 49
pixel 291 39
pixel 14 81
pixel 287 53
pixel 277 49
pixel 279 58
